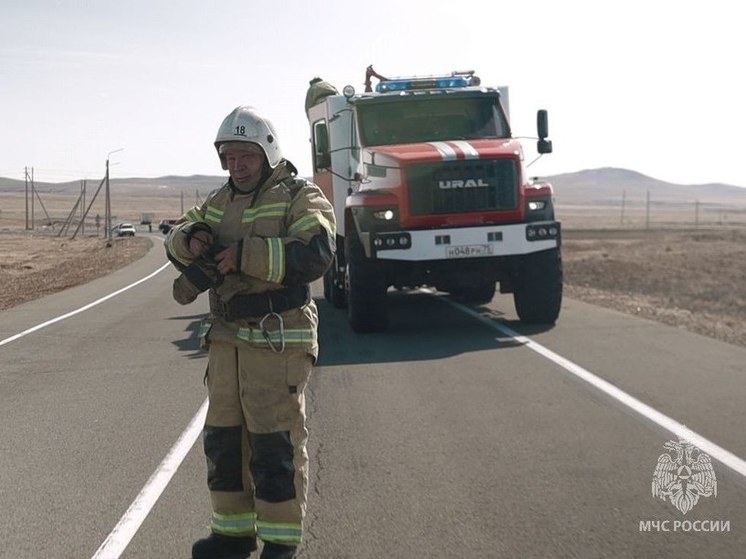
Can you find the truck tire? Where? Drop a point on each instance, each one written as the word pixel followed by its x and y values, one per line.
pixel 537 287
pixel 333 291
pixel 366 290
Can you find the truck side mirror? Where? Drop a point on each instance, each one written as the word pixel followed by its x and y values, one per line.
pixel 542 129
pixel 322 158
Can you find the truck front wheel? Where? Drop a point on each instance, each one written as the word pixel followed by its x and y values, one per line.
pixel 366 290
pixel 537 287
pixel 334 290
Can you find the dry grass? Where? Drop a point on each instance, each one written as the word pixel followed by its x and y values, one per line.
pixel 687 278
pixel 35 265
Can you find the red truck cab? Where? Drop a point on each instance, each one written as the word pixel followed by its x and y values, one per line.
pixel 430 189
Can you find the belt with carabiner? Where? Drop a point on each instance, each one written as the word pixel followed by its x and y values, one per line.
pixel 257 305
pixel 281 327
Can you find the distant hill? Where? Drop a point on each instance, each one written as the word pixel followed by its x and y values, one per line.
pixel 603 186
pixel 143 186
pixel 607 186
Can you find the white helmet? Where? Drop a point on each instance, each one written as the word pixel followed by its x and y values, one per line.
pixel 244 124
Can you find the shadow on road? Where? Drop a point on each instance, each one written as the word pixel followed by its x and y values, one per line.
pixel 189 342
pixel 421 328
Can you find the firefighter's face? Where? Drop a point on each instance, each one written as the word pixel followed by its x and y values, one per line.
pixel 244 163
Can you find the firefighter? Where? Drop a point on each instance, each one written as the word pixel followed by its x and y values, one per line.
pixel 255 244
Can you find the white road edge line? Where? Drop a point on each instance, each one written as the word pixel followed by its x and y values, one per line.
pixel 718 453
pixel 122 534
pixel 81 309
pixel 120 537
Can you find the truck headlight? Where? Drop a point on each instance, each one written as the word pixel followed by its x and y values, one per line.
pixel 384 215
pixel 376 219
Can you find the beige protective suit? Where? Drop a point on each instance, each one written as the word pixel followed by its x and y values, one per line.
pixel 262 340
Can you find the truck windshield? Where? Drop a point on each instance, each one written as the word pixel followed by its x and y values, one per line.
pixel 410 120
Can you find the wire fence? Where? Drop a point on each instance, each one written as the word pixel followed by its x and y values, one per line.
pixel 652 213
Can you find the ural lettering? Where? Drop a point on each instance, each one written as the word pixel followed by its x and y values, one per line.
pixel 468 183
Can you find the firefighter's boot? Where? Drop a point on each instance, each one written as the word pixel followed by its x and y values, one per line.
pixel 278 551
pixel 216 546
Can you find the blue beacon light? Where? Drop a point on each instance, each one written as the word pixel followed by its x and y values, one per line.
pixel 406 84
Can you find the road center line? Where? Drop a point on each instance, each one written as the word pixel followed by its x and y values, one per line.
pixel 81 309
pixel 718 453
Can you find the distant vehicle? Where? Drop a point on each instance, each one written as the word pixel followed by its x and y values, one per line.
pixel 124 230
pixel 166 224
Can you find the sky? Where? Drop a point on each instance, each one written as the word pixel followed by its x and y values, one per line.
pixel 653 86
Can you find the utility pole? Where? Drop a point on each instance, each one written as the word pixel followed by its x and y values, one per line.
pixel 107 204
pixel 82 206
pixel 624 198
pixel 25 175
pixel 107 216
pixel 647 211
pixel 33 192
pixel 696 214
pixel 43 207
pixel 98 217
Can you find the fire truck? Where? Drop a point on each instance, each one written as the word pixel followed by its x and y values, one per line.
pixel 430 189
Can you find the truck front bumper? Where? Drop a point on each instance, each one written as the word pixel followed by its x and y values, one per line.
pixel 463 242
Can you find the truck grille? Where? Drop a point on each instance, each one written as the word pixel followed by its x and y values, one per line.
pixel 462 186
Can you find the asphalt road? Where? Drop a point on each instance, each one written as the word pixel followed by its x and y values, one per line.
pixel 458 433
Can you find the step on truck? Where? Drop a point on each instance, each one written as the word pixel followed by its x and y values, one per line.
pixel 430 188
